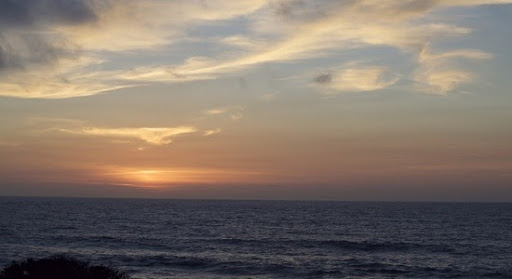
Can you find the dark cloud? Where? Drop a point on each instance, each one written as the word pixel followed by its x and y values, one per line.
pixel 4 58
pixel 19 51
pixel 12 13
pixel 288 9
pixel 26 37
pixel 9 58
pixel 31 13
pixel 300 11
pixel 323 78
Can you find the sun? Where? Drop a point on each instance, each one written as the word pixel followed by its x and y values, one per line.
pixel 140 177
pixel 149 176
pixel 166 177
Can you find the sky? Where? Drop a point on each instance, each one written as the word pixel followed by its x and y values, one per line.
pixel 405 100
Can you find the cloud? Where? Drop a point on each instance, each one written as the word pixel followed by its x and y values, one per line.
pixel 156 136
pixel 309 31
pixel 124 135
pixel 39 61
pixel 356 79
pixel 237 115
pixel 211 132
pixel 438 72
pixel 27 13
pixel 235 112
pixel 215 111
pixel 63 49
pixel 323 78
pixel 26 36
pixel 46 46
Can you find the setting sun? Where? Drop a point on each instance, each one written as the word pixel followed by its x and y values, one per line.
pixel 164 178
pixel 149 176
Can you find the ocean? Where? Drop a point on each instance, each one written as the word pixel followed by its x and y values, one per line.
pixel 264 239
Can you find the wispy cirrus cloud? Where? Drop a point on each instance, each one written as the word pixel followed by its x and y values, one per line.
pixel 74 77
pixel 211 132
pixel 151 135
pixel 215 111
pixel 121 135
pixel 308 31
pixel 62 49
pixel 356 78
pixel 438 72
pixel 235 112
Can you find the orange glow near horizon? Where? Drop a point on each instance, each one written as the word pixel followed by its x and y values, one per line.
pixel 158 178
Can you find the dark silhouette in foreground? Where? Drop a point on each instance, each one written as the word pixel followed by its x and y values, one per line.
pixel 59 267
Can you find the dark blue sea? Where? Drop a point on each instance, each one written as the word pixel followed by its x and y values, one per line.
pixel 264 239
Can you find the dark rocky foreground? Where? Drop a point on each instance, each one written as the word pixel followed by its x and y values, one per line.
pixel 59 267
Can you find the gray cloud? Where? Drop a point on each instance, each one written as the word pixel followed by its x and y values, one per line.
pixel 323 78
pixel 5 59
pixel 30 13
pixel 18 51
pixel 26 37
pixel 57 48
pixel 300 11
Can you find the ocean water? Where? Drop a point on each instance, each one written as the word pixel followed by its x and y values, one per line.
pixel 264 239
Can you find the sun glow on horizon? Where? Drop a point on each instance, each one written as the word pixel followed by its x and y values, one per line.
pixel 160 178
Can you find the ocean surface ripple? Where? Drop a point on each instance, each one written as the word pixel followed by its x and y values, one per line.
pixel 264 239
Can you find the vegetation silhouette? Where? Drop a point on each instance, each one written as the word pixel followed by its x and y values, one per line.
pixel 59 267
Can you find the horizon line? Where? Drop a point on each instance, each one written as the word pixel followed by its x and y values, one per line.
pixel 252 200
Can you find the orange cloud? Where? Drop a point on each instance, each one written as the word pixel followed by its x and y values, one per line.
pixel 156 136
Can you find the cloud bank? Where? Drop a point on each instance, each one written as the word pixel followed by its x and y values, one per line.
pixel 62 49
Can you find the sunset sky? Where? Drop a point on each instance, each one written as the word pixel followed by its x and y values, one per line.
pixel 257 99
